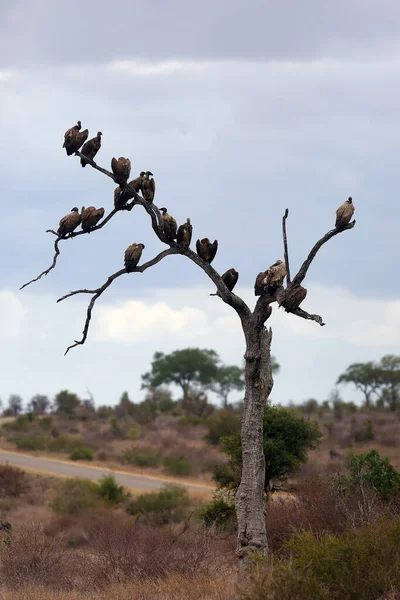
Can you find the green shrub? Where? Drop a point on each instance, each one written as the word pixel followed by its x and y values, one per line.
pixel 110 491
pixel 64 443
pixel 177 465
pixel 220 512
pixel 141 458
pixel 20 423
pixel 360 565
pixel 134 432
pixel 76 495
pixel 30 442
pixel 168 505
pixel 74 431
pixel 45 422
pixel 82 453
pixel 221 424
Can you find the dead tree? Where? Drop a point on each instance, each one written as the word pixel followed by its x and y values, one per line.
pixel 250 500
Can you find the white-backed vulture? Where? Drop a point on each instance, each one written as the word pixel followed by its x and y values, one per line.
pixel 170 226
pixel 293 297
pixel 69 222
pixel 184 235
pixel 148 186
pixel 132 256
pixel 71 133
pixel 73 139
pixel 230 278
pixel 271 279
pixel 207 250
pixel 136 184
pixel 121 169
pixel 91 148
pixel 90 216
pixel 344 214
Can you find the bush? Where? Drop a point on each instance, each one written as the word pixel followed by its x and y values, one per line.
pixel 64 443
pixel 221 424
pixel 13 481
pixel 76 495
pixel 134 432
pixel 141 458
pixel 287 439
pixel 110 491
pixel 355 566
pixel 82 453
pixel 166 506
pixel 45 422
pixel 20 423
pixel 30 442
pixel 177 465
pixel 220 512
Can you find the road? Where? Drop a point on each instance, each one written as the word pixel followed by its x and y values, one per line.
pixel 60 468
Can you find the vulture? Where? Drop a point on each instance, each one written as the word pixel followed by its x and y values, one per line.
pixel 121 169
pixel 170 227
pixel 344 214
pixel 91 148
pixel 207 250
pixel 74 138
pixel 121 196
pixel 293 297
pixel 69 222
pixel 270 279
pixel 90 217
pixel 184 235
pixel 230 278
pixel 136 184
pixel 148 186
pixel 132 256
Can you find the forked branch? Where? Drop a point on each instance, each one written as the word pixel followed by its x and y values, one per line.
pixel 285 245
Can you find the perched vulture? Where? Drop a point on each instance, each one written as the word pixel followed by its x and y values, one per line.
pixel 170 226
pixel 91 148
pixel 73 138
pixel 148 186
pixel 136 184
pixel 344 214
pixel 90 217
pixel 230 278
pixel 270 279
pixel 121 169
pixel 293 297
pixel 184 235
pixel 132 256
pixel 207 250
pixel 69 222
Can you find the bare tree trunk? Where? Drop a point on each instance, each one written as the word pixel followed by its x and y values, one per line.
pixel 250 499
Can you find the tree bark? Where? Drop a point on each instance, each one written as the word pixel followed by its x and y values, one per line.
pixel 250 497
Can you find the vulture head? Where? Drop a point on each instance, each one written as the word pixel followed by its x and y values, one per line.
pixel 142 173
pixel 142 246
pixel 75 209
pixel 79 124
pixel 148 174
pixel 99 134
pixel 187 220
pixel 163 210
pixel 350 200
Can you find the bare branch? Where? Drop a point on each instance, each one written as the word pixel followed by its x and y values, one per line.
pixel 99 291
pixel 285 245
pixel 53 264
pixel 299 312
pixel 95 165
pixel 306 264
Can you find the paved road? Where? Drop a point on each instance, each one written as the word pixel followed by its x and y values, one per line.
pixel 68 469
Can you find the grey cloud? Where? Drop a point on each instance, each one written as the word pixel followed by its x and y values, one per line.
pixel 47 32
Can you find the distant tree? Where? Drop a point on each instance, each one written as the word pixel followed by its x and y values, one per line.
pixel 14 406
pixel 287 439
pixel 125 407
pixel 66 402
pixel 389 380
pixel 365 377
pixel 185 368
pixel 39 404
pixel 337 403
pixel 227 380
pixel 196 403
pixel 310 407
pixel 161 398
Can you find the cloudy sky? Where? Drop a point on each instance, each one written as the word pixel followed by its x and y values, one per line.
pixel 240 109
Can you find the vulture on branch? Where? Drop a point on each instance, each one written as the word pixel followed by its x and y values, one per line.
pixel 271 279
pixel 184 235
pixel 230 278
pixel 90 217
pixel 148 186
pixel 132 256
pixel 207 250
pixel 91 148
pixel 69 222
pixel 292 298
pixel 121 169
pixel 136 184
pixel 344 214
pixel 74 138
pixel 170 226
